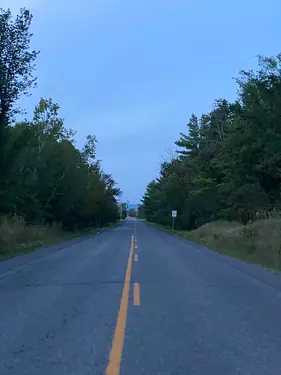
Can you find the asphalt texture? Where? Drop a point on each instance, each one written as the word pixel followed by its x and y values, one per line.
pixel 200 312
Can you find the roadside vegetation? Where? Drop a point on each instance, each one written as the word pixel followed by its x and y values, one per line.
pixel 17 237
pixel 49 189
pixel 225 179
pixel 258 242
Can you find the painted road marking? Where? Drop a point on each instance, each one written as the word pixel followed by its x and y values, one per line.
pixel 136 294
pixel 136 258
pixel 136 246
pixel 115 357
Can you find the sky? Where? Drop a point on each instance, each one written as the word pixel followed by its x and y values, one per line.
pixel 132 72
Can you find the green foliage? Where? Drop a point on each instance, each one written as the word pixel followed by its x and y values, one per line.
pixel 189 144
pixel 44 178
pixel 16 67
pixel 16 60
pixel 141 211
pixel 51 180
pixel 229 163
pixel 132 212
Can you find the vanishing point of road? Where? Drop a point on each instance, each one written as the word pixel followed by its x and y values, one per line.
pixel 133 300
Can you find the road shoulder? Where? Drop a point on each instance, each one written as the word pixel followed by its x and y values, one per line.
pixel 266 275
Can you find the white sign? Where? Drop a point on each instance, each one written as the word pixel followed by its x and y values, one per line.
pixel 174 213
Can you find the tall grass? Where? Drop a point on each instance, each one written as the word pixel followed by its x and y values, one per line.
pixel 17 237
pixel 258 242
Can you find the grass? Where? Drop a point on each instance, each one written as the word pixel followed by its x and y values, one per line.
pixel 258 242
pixel 18 238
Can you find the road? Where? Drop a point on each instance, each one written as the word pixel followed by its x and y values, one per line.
pixel 161 304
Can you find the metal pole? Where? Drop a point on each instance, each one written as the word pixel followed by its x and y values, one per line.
pixel 173 223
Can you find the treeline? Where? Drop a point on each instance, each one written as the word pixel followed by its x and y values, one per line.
pixel 43 176
pixel 229 160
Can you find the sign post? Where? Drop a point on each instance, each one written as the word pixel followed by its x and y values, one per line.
pixel 174 215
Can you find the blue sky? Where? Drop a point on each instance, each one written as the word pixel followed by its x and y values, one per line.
pixel 132 72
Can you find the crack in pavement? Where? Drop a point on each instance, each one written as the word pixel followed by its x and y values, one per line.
pixel 50 335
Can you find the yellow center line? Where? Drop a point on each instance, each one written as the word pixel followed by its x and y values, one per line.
pixel 115 357
pixel 136 294
pixel 136 258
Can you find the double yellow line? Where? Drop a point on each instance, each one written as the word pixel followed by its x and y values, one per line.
pixel 115 357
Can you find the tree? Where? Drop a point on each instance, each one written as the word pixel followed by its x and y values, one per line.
pixel 132 212
pixel 123 208
pixel 43 176
pixel 51 180
pixel 229 163
pixel 16 63
pixel 189 144
pixel 16 67
pixel 141 211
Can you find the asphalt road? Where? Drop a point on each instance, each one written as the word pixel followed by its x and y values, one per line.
pixel 163 305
